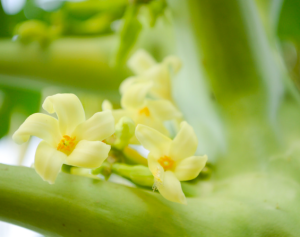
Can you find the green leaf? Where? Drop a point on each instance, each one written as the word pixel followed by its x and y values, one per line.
pixel 156 9
pixel 17 100
pixel 289 22
pixel 129 33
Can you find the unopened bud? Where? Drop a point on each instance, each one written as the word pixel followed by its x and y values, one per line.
pixel 33 30
pixel 125 129
pixel 141 175
pixel 138 174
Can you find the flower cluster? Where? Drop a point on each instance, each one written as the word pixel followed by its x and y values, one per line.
pixel 147 107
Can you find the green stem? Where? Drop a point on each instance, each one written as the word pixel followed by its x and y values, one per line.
pixel 80 206
pixel 69 62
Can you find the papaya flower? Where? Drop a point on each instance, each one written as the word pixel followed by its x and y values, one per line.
pixel 142 110
pixel 70 139
pixel 171 161
pixel 148 70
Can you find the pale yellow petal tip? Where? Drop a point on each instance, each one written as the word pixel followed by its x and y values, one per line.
pixel 139 127
pixel 141 130
pixel 173 62
pixel 50 180
pixel 107 105
pixel 127 83
pixel 140 61
pixel 184 201
pixel 38 170
pixel 183 123
pixel 181 199
pixel 19 139
pixel 48 105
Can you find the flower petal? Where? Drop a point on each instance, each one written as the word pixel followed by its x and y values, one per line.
pixel 135 94
pixel 173 63
pixel 171 188
pixel 88 154
pixel 69 111
pixel 140 61
pixel 48 162
pixel 190 168
pixel 119 113
pixel 160 76
pixel 151 122
pixel 107 105
pixel 156 168
pixel 39 125
pixel 100 126
pixel 127 83
pixel 157 143
pixel 185 143
pixel 162 109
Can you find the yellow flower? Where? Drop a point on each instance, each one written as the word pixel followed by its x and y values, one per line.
pixel 171 161
pixel 147 70
pixel 141 110
pixel 149 112
pixel 70 139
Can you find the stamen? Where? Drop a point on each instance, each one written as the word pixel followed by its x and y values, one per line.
pixel 67 144
pixel 145 111
pixel 166 162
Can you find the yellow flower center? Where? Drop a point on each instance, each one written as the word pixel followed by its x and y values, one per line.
pixel 166 162
pixel 145 111
pixel 67 144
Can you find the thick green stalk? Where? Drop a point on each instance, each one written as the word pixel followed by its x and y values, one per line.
pixel 80 206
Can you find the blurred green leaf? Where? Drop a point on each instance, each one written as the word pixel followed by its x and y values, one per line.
pixel 289 21
pixel 68 62
pixel 129 33
pixel 14 99
pixel 85 9
pixel 156 8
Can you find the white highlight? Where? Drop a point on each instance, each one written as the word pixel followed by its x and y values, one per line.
pixel 10 230
pixel 140 149
pixel 12 7
pixel 10 154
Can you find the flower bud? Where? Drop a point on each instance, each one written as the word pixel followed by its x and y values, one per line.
pixel 138 174
pixel 33 30
pixel 124 131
